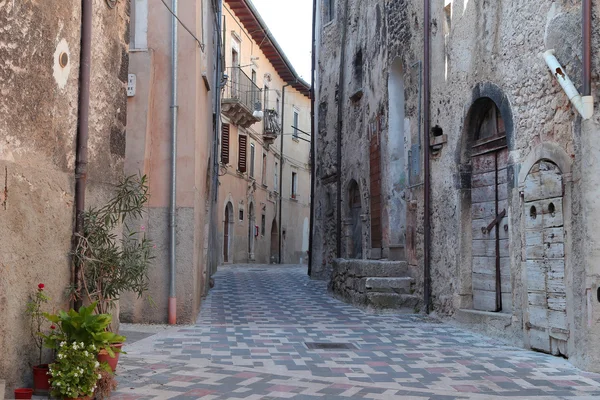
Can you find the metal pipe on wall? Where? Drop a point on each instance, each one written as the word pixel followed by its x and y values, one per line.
pixel 312 139
pixel 427 178
pixel 173 200
pixel 281 160
pixel 587 47
pixel 82 132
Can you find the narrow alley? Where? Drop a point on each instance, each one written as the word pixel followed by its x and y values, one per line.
pixel 254 336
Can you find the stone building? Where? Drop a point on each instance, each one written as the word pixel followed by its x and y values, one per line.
pixel 151 106
pixel 264 197
pixel 39 117
pixel 513 165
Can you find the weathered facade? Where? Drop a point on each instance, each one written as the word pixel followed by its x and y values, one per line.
pixel 39 86
pixel 264 196
pixel 150 151
pixel 514 168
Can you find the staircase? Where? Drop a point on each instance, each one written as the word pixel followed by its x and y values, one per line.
pixel 374 284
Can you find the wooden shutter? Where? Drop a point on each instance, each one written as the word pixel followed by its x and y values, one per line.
pixel 225 143
pixel 242 158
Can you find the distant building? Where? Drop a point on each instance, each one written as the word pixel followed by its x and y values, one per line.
pixel 262 193
pixel 514 166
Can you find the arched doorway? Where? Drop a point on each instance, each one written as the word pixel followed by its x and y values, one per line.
pixel 251 231
pixel 355 223
pixel 488 157
pixel 227 233
pixel 546 317
pixel 274 242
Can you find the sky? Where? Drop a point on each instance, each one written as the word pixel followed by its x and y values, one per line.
pixel 290 21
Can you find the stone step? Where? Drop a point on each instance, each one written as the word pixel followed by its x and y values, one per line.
pixel 2 388
pixel 400 285
pixel 370 268
pixel 393 301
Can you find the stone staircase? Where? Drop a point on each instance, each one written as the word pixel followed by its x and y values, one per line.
pixel 374 284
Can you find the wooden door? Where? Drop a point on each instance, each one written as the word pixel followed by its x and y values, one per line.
pixel 226 237
pixel 489 207
pixel 546 318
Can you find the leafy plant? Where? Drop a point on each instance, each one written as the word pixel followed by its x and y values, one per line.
pixel 111 262
pixel 36 315
pixel 76 371
pixel 82 327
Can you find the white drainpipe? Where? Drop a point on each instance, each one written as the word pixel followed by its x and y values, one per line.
pixel 583 104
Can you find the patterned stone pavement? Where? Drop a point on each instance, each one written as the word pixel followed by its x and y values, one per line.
pixel 250 343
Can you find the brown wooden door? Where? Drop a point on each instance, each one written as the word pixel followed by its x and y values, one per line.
pixel 226 237
pixel 489 207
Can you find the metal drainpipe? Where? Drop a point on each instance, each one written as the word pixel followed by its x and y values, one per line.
pixel 281 160
pixel 82 131
pixel 339 132
pixel 312 139
pixel 172 210
pixel 427 178
pixel 587 47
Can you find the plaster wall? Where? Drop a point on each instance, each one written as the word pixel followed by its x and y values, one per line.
pixel 479 49
pixel 149 152
pixel 38 125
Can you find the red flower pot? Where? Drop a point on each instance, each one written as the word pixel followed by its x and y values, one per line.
pixel 103 356
pixel 23 393
pixel 41 379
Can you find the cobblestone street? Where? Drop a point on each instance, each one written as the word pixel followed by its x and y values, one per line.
pixel 250 342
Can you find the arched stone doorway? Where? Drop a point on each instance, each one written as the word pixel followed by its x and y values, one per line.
pixel 228 233
pixel 485 183
pixel 546 319
pixel 251 231
pixel 355 249
pixel 274 242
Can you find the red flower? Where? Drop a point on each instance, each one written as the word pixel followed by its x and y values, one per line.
pixel 41 286
pixel 52 327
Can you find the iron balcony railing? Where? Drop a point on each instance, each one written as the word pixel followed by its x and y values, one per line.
pixel 240 88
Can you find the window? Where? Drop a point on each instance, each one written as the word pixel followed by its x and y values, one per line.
pixel 235 73
pixel 241 214
pixel 277 109
pixel 295 125
pixel 329 10
pixel 266 95
pixel 294 185
pixel 264 170
pixel 225 143
pixel 243 142
pixel 254 76
pixel 263 224
pixel 140 24
pixel 276 183
pixel 252 160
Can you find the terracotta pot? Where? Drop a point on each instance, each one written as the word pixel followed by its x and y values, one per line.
pixel 41 379
pixel 23 393
pixel 103 356
pixel 78 398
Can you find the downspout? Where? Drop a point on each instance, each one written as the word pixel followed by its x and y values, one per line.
pixel 427 178
pixel 82 134
pixel 312 139
pixel 281 160
pixel 339 132
pixel 584 102
pixel 172 209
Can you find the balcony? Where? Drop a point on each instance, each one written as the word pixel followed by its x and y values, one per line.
pixel 241 99
pixel 272 127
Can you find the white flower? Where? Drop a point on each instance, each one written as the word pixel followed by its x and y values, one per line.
pixel 86 353
pixel 81 344
pixel 93 347
pixel 57 383
pixel 75 346
pixel 62 344
pixel 75 374
pixel 99 376
pixel 96 364
pixel 60 356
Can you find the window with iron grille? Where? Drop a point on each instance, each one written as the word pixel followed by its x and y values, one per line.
pixel 275 181
pixel 263 224
pixel 252 160
pixel 243 143
pixel 329 10
pixel 264 170
pixel 225 143
pixel 294 185
pixel 295 124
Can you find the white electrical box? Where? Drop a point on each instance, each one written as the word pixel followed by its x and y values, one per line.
pixel 131 85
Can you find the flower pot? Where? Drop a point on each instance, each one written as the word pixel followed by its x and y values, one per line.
pixel 41 379
pixel 103 356
pixel 78 398
pixel 23 393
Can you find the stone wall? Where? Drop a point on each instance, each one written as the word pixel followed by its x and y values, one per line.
pixel 38 125
pixel 479 50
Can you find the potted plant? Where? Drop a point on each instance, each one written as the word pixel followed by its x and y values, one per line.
pixel 76 371
pixel 114 263
pixel 41 383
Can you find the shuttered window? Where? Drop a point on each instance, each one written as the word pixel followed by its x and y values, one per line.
pixel 225 143
pixel 243 141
